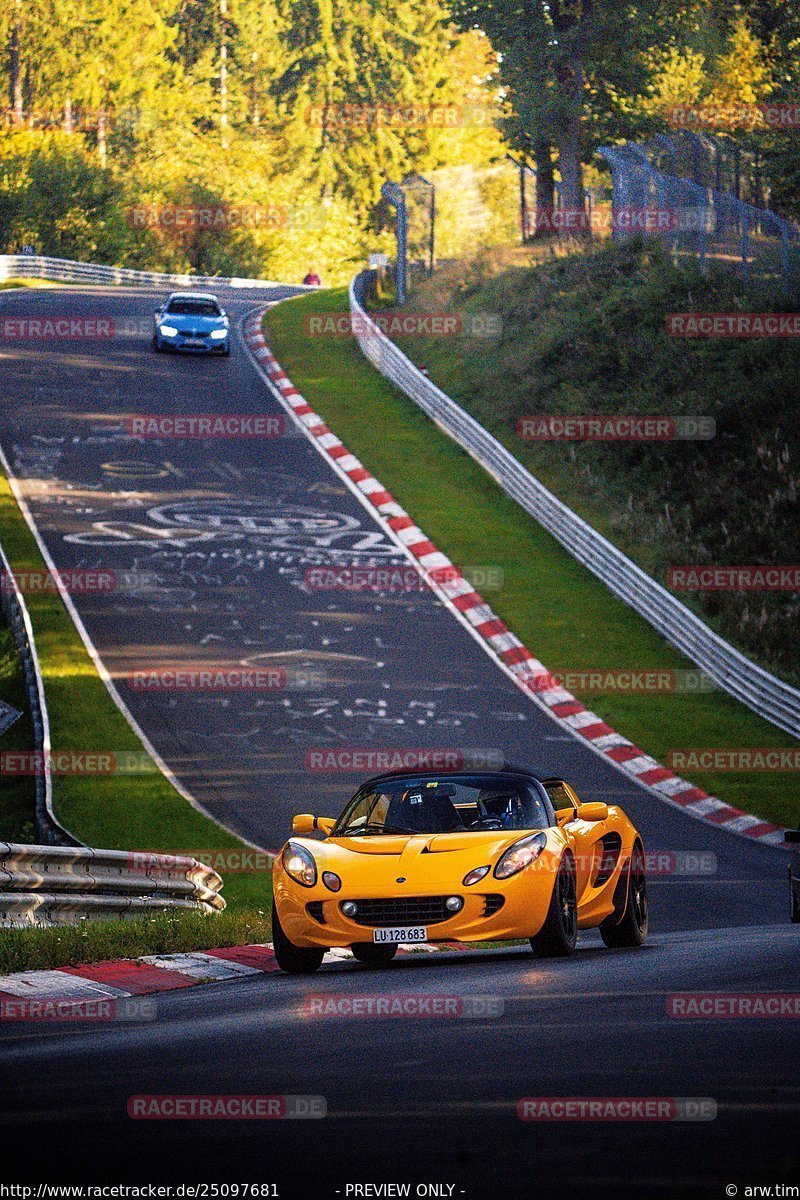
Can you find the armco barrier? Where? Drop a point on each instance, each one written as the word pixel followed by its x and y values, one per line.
pixel 61 885
pixel 765 694
pixel 62 270
pixel 16 614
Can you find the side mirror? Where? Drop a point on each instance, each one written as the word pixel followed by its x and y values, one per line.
pixel 593 812
pixel 306 823
pixel 792 835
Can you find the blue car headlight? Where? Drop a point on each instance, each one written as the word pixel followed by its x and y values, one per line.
pixel 167 331
pixel 218 333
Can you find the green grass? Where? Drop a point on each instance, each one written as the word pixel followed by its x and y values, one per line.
pixel 563 614
pixel 162 933
pixel 5 284
pixel 112 811
pixel 584 334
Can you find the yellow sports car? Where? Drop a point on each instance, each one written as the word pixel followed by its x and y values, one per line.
pixel 457 857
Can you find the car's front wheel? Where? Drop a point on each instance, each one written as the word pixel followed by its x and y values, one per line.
pixel 294 960
pixel 632 929
pixel 559 935
pixel 156 344
pixel 373 956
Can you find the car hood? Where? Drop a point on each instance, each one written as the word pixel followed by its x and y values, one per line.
pixel 474 849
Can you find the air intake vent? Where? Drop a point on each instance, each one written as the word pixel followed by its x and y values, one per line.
pixel 609 857
pixel 410 910
pixel 492 904
pixel 314 909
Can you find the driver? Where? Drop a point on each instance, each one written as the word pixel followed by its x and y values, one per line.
pixel 503 807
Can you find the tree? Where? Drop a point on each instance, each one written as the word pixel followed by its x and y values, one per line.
pixel 569 68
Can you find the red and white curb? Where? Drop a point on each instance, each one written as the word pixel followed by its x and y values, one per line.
pixel 118 979
pixel 503 646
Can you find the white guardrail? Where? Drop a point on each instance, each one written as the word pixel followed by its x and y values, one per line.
pixel 16 613
pixel 765 694
pixel 64 885
pixel 63 270
pixel 65 882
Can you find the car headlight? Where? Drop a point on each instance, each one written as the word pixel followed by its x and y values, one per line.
pixel 167 331
pixel 475 876
pixel 299 864
pixel 520 855
pixel 218 333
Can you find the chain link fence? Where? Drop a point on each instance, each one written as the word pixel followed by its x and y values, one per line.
pixel 707 199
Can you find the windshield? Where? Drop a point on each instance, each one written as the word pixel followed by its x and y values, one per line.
pixel 448 805
pixel 194 308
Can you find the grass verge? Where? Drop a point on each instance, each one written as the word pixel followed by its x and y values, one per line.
pixel 563 614
pixel 123 812
pixel 584 334
pixel 6 284
pixel 162 933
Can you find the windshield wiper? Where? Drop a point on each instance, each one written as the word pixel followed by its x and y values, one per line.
pixel 374 827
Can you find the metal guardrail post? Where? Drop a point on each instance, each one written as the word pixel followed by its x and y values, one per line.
pixel 16 613
pixel 746 243
pixel 393 193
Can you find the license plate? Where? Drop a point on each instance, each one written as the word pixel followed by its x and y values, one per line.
pixel 194 342
pixel 402 933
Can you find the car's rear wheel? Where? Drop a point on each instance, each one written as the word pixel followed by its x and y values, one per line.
pixel 558 936
pixel 373 956
pixel 294 960
pixel 632 929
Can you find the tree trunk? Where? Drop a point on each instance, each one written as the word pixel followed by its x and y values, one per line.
pixel 15 69
pixel 570 167
pixel 569 142
pixel 545 188
pixel 69 123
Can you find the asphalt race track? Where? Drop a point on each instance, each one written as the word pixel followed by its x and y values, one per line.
pixel 211 544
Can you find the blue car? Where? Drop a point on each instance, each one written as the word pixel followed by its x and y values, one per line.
pixel 192 321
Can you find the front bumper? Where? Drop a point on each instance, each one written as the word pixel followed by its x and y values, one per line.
pixel 525 904
pixel 195 345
